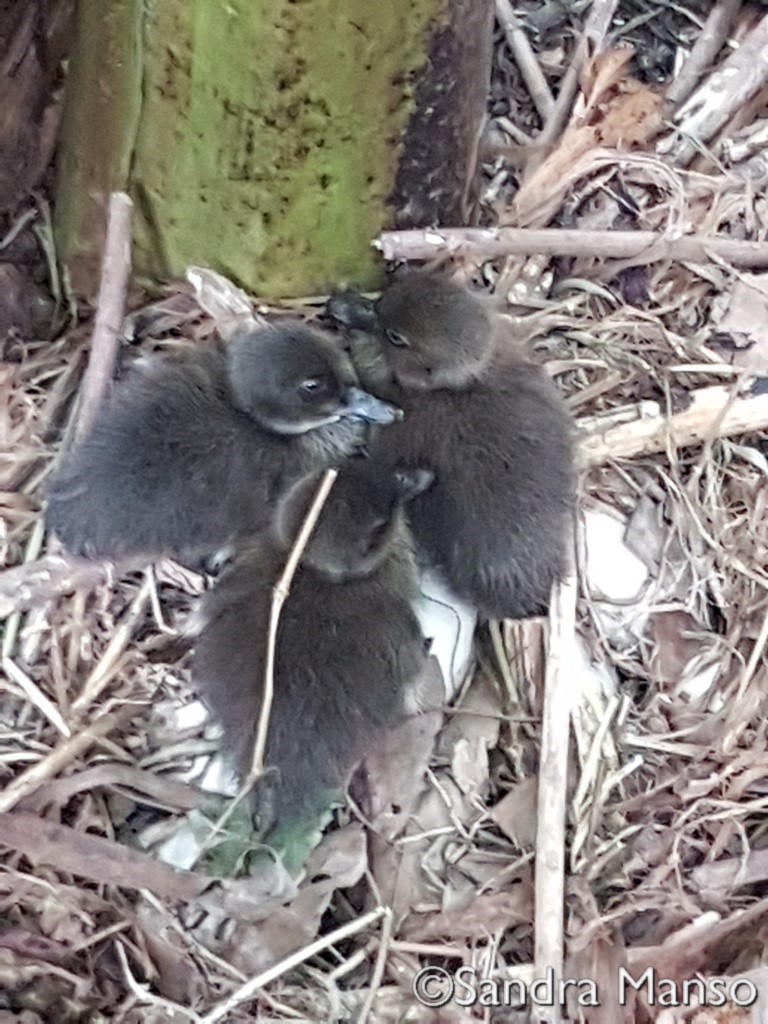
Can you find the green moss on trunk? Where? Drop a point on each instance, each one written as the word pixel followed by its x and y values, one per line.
pixel 259 138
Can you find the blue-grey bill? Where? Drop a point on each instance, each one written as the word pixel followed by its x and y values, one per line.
pixel 362 406
pixel 351 309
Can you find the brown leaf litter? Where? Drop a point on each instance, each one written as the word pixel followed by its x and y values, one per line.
pixel 666 857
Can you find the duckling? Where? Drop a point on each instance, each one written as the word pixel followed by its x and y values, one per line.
pixel 348 643
pixel 491 427
pixel 190 455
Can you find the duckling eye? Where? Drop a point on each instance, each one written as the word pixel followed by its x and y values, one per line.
pixel 396 339
pixel 313 389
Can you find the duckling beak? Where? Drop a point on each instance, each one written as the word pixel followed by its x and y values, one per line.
pixel 413 482
pixel 362 406
pixel 351 309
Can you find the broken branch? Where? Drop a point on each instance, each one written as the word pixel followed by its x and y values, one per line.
pixel 643 247
pixel 113 288
pixel 712 412
pixel 718 98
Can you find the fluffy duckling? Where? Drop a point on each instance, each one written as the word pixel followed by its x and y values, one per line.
pixel 191 454
pixel 348 642
pixel 491 427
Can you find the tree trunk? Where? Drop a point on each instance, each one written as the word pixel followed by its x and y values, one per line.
pixel 263 139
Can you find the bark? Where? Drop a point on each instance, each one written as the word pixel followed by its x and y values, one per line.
pixel 33 41
pixel 263 140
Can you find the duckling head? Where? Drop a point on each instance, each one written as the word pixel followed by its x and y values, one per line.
pixel 435 334
pixel 362 521
pixel 291 380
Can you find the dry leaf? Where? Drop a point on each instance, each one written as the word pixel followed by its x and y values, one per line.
pixel 605 71
pixel 337 863
pixel 629 119
pixel 515 813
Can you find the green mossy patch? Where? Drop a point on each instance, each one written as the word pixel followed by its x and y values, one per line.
pixel 268 137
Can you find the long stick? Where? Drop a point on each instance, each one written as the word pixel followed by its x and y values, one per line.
pixel 553 776
pixel 709 43
pixel 711 412
pixel 643 247
pixel 525 59
pixel 590 43
pixel 730 86
pixel 252 987
pixel 113 288
pixel 279 595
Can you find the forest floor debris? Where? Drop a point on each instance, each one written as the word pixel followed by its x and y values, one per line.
pixel 102 749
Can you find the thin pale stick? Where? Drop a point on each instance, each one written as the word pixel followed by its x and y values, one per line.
pixel 107 665
pixel 113 288
pixel 36 696
pixel 378 968
pixel 50 765
pixel 754 659
pixel 31 553
pixel 591 42
pixel 553 777
pixel 525 58
pixel 279 595
pixel 711 412
pixel 144 996
pixel 251 988
pixel 642 247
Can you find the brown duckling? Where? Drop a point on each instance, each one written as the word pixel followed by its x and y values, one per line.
pixel 491 427
pixel 348 642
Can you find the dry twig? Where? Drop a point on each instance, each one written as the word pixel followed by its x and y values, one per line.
pixel 279 595
pixel 590 43
pixel 379 966
pixel 553 773
pixel 251 988
pixel 143 995
pixel 642 247
pixel 709 42
pixel 113 288
pixel 525 58
pixel 108 664
pixel 34 694
pixel 67 752
pixel 718 98
pixel 712 412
